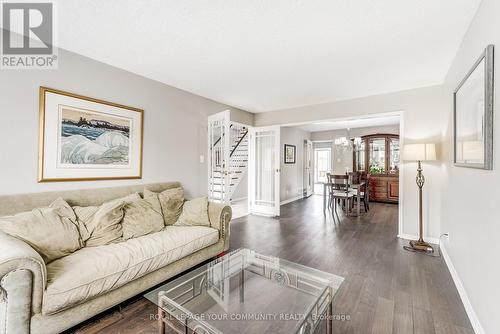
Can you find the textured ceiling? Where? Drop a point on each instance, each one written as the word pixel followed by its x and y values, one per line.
pixel 269 55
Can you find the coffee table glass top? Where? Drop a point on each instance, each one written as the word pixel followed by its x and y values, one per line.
pixel 246 292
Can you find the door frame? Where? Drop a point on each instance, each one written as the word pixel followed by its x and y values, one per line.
pixel 225 118
pixel 308 168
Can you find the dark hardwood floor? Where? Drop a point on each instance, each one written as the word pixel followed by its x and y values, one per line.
pixel 386 289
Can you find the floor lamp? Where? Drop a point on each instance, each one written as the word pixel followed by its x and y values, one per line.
pixel 419 153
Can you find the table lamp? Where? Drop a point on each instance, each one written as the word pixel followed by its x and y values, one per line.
pixel 419 153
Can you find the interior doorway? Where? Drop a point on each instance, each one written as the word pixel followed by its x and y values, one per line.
pixel 366 148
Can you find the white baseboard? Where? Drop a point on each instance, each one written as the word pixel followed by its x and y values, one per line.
pixel 474 320
pixel 415 237
pixel 293 199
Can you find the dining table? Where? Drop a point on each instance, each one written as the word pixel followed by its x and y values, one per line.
pixel 354 186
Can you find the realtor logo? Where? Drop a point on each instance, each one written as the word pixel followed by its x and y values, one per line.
pixel 28 35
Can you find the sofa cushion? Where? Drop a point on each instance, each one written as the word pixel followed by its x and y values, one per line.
pixel 171 201
pixel 51 231
pixel 103 222
pixel 92 271
pixel 141 217
pixel 194 213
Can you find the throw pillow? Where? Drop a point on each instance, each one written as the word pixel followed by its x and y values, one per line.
pixel 52 231
pixel 103 222
pixel 194 213
pixel 171 201
pixel 142 216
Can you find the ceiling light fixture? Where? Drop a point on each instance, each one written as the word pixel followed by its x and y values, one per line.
pixel 347 143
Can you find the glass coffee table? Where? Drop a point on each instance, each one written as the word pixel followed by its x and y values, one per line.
pixel 246 292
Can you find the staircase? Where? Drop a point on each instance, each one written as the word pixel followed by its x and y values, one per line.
pixel 237 164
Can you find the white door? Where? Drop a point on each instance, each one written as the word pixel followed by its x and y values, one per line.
pixel 322 166
pixel 264 170
pixel 218 157
pixel 308 173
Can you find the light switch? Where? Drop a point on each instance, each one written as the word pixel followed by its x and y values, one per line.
pixel 202 158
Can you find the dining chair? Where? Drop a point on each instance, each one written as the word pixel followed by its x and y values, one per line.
pixel 330 198
pixel 364 191
pixel 366 197
pixel 339 191
pixel 329 179
pixel 354 177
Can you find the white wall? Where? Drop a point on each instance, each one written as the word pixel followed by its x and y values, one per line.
pixel 175 128
pixel 341 158
pixel 292 175
pixel 423 120
pixel 241 116
pixel 470 197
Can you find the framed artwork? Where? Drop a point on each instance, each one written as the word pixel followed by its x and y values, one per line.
pixel 82 138
pixel 473 115
pixel 290 154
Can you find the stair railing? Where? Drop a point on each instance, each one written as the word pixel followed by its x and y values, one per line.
pixel 238 143
pixel 218 140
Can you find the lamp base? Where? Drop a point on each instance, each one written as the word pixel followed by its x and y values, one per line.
pixel 419 246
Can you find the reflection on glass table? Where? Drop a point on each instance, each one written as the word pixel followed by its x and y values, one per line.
pixel 246 292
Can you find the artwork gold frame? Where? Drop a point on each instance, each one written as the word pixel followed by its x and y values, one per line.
pixel 130 167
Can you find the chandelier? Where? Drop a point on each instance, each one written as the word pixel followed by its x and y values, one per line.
pixel 347 143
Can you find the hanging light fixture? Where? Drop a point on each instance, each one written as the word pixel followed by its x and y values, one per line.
pixel 347 143
pixel 341 141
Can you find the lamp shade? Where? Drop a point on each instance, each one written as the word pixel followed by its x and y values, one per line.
pixel 419 152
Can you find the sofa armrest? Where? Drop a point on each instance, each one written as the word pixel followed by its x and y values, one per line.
pixel 220 216
pixel 21 269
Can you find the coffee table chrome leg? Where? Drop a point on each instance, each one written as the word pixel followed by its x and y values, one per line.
pixel 242 286
pixel 161 321
pixel 329 319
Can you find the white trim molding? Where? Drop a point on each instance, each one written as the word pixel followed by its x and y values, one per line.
pixel 474 320
pixel 293 199
pixel 402 172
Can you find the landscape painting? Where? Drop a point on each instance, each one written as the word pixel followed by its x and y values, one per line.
pixel 93 138
pixel 86 139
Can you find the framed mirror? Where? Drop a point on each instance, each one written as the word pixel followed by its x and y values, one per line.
pixel 473 115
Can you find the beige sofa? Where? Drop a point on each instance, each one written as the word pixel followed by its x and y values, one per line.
pixel 39 298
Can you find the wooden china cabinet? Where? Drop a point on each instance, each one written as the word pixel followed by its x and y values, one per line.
pixel 378 155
